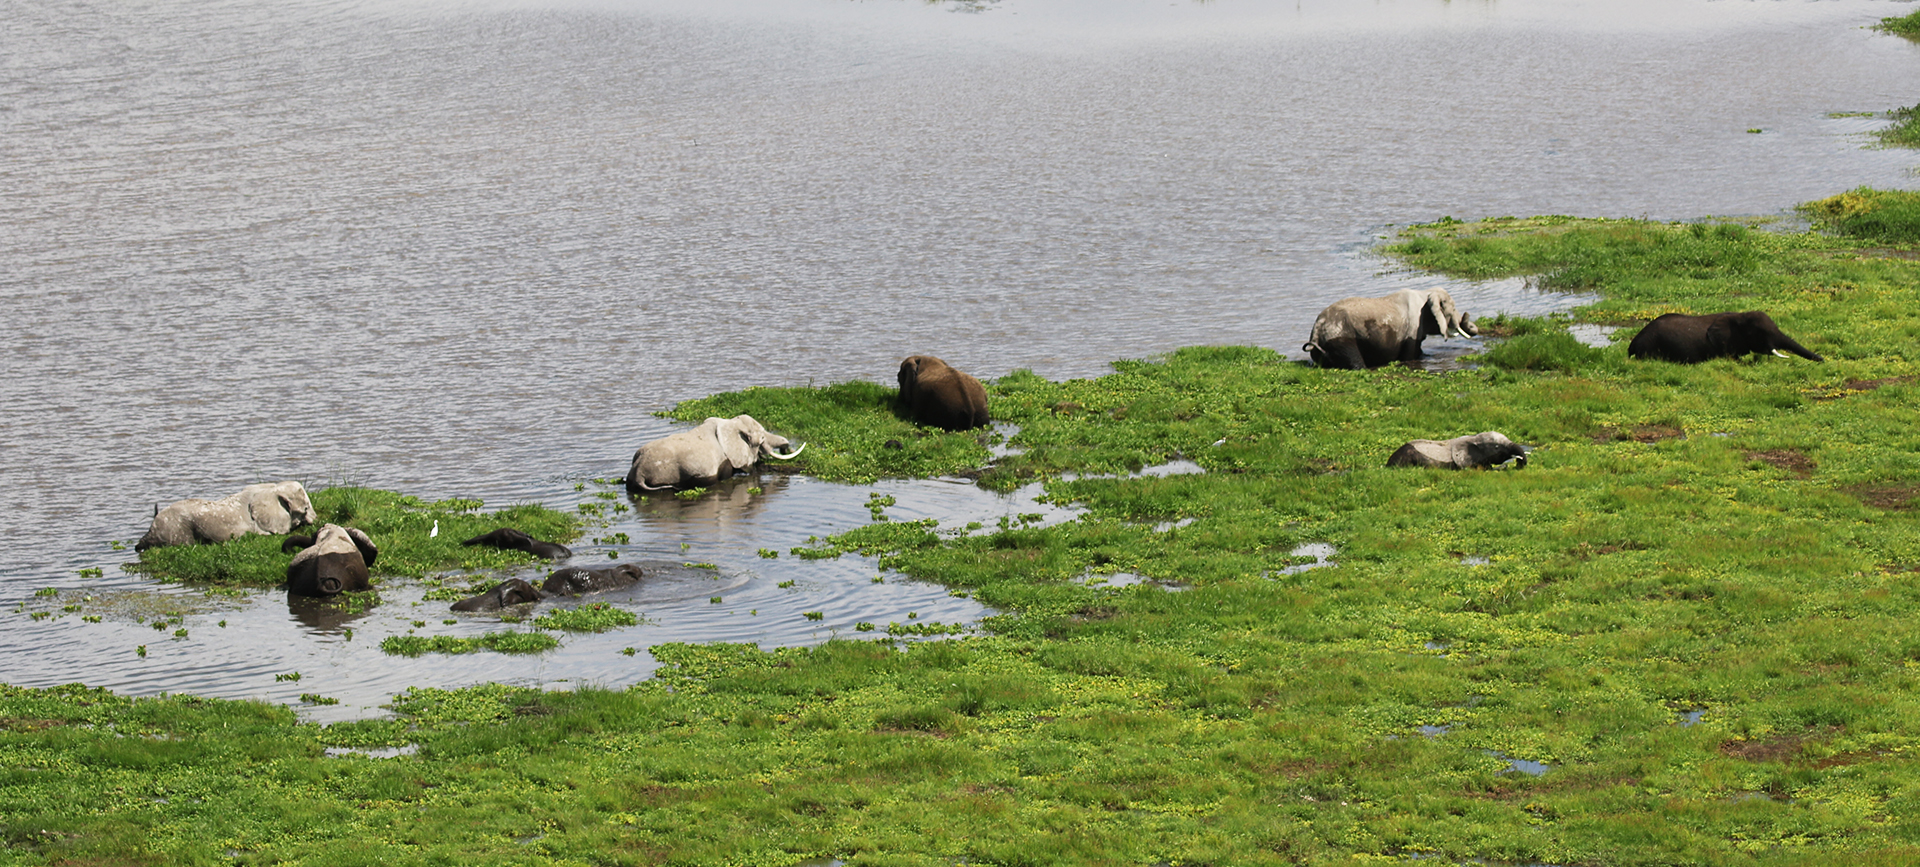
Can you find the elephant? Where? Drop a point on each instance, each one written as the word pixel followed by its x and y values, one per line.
pixel 1685 339
pixel 1358 333
pixel 576 580
pixel 510 539
pixel 506 594
pixel 330 562
pixel 934 393
pixel 1477 451
pixel 716 449
pixel 270 508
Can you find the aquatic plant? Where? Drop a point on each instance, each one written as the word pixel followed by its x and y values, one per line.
pixel 1883 216
pixel 1907 25
pixel 593 617
pixel 499 642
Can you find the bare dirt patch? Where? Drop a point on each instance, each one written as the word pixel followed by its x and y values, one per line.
pixel 1774 749
pixel 1893 497
pixel 1645 433
pixel 1787 459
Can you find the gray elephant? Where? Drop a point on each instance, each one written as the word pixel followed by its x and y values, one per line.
pixel 1359 333
pixel 1477 451
pixel 933 393
pixel 510 539
pixel 716 449
pixel 506 594
pixel 1685 339
pixel 332 561
pixel 576 580
pixel 271 508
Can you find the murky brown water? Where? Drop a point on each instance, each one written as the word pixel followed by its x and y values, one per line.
pixel 467 249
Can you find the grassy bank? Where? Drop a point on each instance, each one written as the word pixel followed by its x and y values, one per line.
pixel 1683 635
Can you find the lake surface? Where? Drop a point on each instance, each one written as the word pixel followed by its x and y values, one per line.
pixel 469 249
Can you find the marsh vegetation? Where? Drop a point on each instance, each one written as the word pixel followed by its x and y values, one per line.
pixel 1683 634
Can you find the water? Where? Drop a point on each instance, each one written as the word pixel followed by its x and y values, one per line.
pixel 468 249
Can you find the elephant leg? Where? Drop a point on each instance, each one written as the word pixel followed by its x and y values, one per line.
pixel 1343 354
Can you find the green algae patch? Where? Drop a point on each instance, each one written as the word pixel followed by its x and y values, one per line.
pixel 1683 634
pixel 415 538
pixel 498 642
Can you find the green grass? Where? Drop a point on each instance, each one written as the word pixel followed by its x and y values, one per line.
pixel 1736 538
pixel 398 524
pixel 593 617
pixel 1883 216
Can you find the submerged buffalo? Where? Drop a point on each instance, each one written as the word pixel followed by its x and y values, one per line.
pixel 506 594
pixel 576 580
pixel 510 539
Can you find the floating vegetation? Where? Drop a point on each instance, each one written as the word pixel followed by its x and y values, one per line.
pixel 595 617
pixel 499 642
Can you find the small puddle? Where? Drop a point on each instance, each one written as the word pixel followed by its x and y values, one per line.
pixel 1321 552
pixel 373 752
pixel 1522 766
pixel 1598 336
pixel 1691 717
pixel 1117 580
pixel 1434 731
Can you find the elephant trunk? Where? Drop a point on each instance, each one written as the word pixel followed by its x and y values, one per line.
pixel 329 585
pixel 789 455
pixel 1793 346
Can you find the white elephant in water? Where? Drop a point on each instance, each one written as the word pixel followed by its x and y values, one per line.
pixel 1359 333
pixel 272 508
pixel 716 449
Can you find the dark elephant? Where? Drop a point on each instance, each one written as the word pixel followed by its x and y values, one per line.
pixel 510 539
pixel 1358 333
pixel 1685 339
pixel 332 561
pixel 576 580
pixel 933 393
pixel 1478 451
pixel 506 594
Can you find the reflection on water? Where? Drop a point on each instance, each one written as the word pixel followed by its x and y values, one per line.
pixel 468 249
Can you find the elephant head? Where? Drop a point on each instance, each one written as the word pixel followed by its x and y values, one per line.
pixel 506 594
pixel 743 441
pixel 1439 315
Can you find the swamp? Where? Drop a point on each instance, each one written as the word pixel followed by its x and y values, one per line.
pixel 1681 634
pixel 449 263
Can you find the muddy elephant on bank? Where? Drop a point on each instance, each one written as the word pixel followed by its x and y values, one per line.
pixel 271 508
pixel 510 539
pixel 1685 339
pixel 1476 451
pixel 933 393
pixel 1358 333
pixel 716 449
pixel 332 561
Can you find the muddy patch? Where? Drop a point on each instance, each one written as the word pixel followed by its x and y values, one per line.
pixel 1645 433
pixel 1892 497
pixel 1787 459
pixel 1775 749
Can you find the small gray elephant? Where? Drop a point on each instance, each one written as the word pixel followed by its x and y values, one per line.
pixel 934 393
pixel 1477 451
pixel 716 449
pixel 1358 333
pixel 330 562
pixel 1685 339
pixel 271 508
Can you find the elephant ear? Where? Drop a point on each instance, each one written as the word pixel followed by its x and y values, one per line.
pixel 736 445
pixel 367 549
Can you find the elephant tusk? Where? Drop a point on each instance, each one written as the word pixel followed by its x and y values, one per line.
pixel 789 455
pixel 646 487
pixel 1781 354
